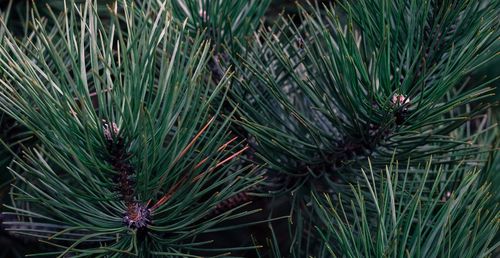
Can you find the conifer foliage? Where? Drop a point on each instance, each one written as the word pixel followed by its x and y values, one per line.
pixel 132 154
pixel 157 128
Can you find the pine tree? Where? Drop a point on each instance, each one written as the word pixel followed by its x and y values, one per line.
pixel 194 128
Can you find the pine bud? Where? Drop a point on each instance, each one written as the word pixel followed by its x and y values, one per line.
pixel 399 100
pixel 137 216
pixel 110 130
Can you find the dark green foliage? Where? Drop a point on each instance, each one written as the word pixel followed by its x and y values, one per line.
pixel 385 84
pixel 132 156
pixel 225 22
pixel 190 128
pixel 328 95
pixel 410 219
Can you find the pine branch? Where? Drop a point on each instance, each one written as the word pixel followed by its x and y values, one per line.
pixel 134 152
pixel 160 128
pixel 415 223
pixel 323 97
pixel 226 22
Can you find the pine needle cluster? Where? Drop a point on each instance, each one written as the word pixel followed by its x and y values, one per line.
pixel 189 128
